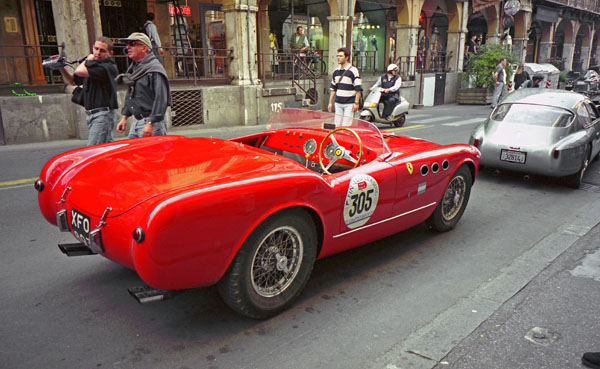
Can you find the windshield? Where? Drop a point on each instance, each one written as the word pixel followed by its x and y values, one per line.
pixel 310 119
pixel 532 115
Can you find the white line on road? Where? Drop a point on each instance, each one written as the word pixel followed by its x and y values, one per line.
pixel 464 122
pixel 434 119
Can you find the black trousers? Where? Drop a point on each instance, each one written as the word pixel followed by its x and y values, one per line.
pixel 389 102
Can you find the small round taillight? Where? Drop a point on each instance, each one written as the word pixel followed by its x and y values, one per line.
pixel 39 185
pixel 556 153
pixel 476 142
pixel 139 235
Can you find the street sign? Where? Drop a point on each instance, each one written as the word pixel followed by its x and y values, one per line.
pixel 511 7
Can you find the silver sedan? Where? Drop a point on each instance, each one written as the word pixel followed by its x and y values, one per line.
pixel 541 131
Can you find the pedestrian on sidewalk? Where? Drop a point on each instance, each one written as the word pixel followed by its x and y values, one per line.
pixel 346 89
pixel 499 81
pixel 98 91
pixel 148 94
pixel 152 33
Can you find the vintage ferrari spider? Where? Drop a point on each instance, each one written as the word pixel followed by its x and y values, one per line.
pixel 252 213
pixel 541 131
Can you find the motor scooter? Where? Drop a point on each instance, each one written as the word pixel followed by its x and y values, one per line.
pixel 373 109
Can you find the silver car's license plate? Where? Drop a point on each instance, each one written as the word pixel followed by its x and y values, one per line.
pixel 513 156
pixel 80 223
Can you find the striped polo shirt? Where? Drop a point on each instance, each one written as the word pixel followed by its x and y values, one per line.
pixel 347 87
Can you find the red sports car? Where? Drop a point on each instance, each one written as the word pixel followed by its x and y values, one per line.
pixel 252 213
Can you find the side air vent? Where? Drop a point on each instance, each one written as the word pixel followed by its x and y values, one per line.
pixel 424 170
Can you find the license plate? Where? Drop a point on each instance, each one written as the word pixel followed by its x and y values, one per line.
pixel 513 156
pixel 80 224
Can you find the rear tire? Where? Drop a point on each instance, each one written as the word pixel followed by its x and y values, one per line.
pixel 454 201
pixel 574 180
pixel 272 266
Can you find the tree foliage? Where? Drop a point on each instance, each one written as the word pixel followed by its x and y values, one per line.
pixel 480 66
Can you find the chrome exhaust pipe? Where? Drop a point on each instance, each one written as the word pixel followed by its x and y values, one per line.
pixel 75 249
pixel 146 294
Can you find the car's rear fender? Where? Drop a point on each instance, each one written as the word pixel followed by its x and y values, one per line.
pixel 192 237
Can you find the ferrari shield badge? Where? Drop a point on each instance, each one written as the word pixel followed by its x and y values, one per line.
pixel 409 167
pixel 361 200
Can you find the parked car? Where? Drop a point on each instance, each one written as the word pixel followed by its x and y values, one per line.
pixel 588 84
pixel 541 131
pixel 252 213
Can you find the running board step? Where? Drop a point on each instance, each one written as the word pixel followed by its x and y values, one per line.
pixel 75 249
pixel 146 294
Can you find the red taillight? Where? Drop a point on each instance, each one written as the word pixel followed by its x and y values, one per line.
pixel 476 142
pixel 555 153
pixel 139 235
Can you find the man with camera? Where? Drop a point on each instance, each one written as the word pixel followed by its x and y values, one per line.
pixel 98 93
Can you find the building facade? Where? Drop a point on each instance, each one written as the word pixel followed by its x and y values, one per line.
pixel 237 52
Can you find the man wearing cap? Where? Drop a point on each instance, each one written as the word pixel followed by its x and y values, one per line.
pixel 96 74
pixel 148 93
pixel 390 83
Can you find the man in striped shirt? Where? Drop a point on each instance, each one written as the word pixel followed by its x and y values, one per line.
pixel 345 88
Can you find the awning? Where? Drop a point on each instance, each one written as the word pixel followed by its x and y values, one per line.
pixel 482 4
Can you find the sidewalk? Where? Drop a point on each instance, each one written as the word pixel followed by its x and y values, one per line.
pixel 548 324
pixel 541 311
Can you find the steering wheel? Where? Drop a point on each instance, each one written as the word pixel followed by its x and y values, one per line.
pixel 339 151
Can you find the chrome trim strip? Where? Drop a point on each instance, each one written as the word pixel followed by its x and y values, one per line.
pixel 385 220
pixel 62 221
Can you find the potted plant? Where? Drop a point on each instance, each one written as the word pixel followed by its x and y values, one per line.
pixel 479 73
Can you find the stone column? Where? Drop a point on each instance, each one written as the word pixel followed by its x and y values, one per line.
pixel 493 38
pixel 585 57
pixel 337 39
pixel 455 50
pixel 520 48
pixel 568 50
pixel 240 36
pixel 544 53
pixel 407 40
pixel 71 27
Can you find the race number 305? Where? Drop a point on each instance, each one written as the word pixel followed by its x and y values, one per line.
pixel 361 200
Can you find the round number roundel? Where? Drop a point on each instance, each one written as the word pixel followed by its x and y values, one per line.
pixel 361 200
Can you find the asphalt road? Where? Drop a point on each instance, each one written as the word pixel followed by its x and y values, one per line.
pixel 360 308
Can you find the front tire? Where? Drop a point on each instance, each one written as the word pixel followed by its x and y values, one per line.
pixel 452 206
pixel 272 266
pixel 400 121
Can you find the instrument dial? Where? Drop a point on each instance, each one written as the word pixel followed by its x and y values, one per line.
pixel 310 146
pixel 329 151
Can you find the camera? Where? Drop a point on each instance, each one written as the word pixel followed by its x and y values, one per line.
pixel 54 62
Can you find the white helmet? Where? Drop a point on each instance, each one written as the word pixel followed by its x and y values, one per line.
pixel 392 67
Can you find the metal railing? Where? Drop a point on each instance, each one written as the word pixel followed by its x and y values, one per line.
pixel 279 64
pixel 365 61
pixel 23 64
pixel 586 5
pixel 430 63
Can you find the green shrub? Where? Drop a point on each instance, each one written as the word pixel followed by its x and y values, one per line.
pixel 481 65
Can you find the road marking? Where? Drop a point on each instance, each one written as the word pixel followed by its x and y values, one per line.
pixel 404 128
pixel 435 119
pixel 17 181
pixel 13 187
pixel 464 122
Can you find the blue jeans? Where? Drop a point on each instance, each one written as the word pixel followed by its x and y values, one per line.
pixel 497 93
pixel 343 114
pixel 159 128
pixel 100 126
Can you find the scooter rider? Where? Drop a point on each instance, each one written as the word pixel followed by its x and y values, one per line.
pixel 390 95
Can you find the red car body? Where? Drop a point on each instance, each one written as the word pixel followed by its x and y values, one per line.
pixel 198 199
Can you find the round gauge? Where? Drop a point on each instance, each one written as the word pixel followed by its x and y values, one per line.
pixel 329 151
pixel 310 146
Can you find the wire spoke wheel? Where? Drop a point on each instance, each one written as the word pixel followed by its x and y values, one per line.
pixel 453 198
pixel 276 261
pixel 454 201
